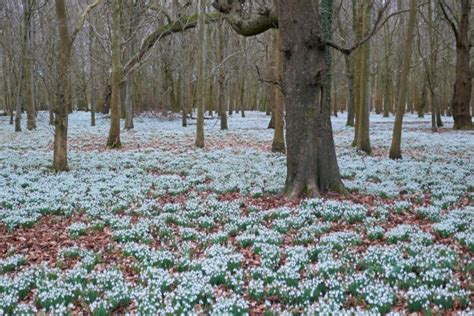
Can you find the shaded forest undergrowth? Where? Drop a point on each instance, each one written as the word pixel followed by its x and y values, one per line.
pixel 159 227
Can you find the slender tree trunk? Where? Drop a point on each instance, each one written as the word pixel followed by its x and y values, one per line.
pixel 61 105
pixel 363 137
pixel 19 101
pixel 221 79
pixel 350 89
pixel 134 12
pixel 21 96
pixel 6 92
pixel 431 73
pixel 129 104
pixel 395 149
pixel 278 144
pixel 242 95
pixel 422 101
pixel 93 98
pixel 201 60
pixel 311 157
pixel 357 68
pixel 114 131
pixel 27 66
pixel 52 102
pixel 387 87
pixel 12 94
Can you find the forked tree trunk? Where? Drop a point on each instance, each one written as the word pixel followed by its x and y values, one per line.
pixel 395 148
pixel 114 131
pixel 278 144
pixel 311 158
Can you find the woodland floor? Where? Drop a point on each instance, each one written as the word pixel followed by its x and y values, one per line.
pixel 159 227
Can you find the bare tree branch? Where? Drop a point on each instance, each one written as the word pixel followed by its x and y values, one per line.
pixel 376 27
pixel 251 24
pixel 80 21
pixel 451 23
pixel 182 24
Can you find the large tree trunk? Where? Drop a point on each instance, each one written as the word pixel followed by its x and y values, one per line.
pixel 61 106
pixel 311 157
pixel 278 144
pixel 462 86
pixel 395 148
pixel 114 131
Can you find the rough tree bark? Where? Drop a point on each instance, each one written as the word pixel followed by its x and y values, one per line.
pixel 395 148
pixel 311 157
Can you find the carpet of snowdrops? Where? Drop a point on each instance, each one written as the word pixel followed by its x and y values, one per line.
pixel 159 227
